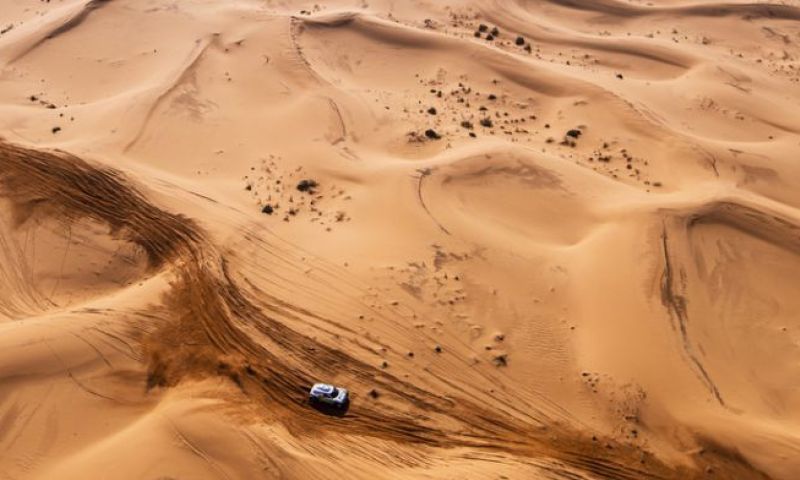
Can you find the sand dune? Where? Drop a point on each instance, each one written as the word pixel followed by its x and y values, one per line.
pixel 553 239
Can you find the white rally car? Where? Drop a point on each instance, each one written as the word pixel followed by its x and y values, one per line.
pixel 324 394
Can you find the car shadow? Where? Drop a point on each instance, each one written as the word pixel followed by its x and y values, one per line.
pixel 330 410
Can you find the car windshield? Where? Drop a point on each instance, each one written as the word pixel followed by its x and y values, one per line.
pixel 334 392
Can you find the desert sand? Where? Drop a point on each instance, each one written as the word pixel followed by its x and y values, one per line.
pixel 553 239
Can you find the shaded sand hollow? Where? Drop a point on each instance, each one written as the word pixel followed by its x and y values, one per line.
pixel 553 239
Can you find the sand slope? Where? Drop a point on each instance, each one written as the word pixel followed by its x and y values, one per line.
pixel 572 255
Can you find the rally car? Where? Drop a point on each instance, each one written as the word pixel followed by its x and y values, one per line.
pixel 324 394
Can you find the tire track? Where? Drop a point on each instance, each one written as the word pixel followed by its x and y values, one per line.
pixel 677 307
pixel 216 328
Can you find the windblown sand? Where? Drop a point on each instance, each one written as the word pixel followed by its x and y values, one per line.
pixel 553 239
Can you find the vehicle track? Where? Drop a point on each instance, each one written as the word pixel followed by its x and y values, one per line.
pixel 216 328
